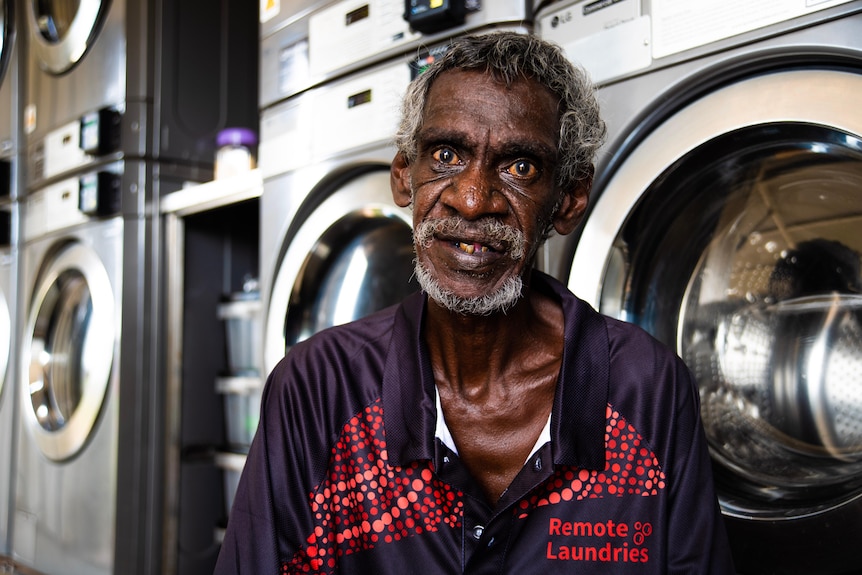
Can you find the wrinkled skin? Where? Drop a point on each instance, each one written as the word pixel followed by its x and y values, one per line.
pixel 486 150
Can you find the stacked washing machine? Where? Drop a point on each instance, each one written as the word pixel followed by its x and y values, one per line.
pixel 334 247
pixel 122 104
pixel 10 153
pixel 725 220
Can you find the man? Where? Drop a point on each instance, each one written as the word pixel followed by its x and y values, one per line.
pixel 492 423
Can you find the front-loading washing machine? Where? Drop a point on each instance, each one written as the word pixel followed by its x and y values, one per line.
pixel 334 247
pixel 126 98
pixel 725 220
pixel 10 156
pixel 71 278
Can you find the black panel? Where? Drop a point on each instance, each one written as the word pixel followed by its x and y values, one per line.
pixel 209 75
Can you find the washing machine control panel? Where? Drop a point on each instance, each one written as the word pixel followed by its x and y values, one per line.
pixel 99 193
pixel 76 144
pixel 429 16
pixel 305 47
pixel 100 132
pixel 71 201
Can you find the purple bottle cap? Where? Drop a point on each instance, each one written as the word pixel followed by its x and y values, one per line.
pixel 236 137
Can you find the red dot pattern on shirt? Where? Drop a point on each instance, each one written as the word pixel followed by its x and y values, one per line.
pixel 631 468
pixel 364 501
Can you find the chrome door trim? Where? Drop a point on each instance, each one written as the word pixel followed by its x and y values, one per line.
pixel 58 57
pixel 358 195
pixel 6 36
pixel 823 97
pixel 98 351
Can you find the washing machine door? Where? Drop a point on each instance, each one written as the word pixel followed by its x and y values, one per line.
pixel 350 256
pixel 7 21
pixel 732 233
pixel 69 348
pixel 62 31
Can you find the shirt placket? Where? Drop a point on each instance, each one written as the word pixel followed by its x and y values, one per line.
pixel 486 531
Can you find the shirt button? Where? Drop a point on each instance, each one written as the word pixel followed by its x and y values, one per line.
pixel 477 532
pixel 537 465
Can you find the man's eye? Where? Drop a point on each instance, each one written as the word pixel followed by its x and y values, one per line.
pixel 445 156
pixel 522 169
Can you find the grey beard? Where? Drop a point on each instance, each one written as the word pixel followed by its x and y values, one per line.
pixel 502 299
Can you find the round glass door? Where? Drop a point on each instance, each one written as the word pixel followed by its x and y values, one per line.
pixel 351 257
pixel 69 350
pixel 63 31
pixel 750 264
pixel 742 252
pixel 7 19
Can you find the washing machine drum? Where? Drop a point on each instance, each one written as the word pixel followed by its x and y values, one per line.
pixel 745 254
pixel 351 256
pixel 64 30
pixel 69 349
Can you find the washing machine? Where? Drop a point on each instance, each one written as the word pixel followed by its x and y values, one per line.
pixel 123 103
pixel 309 42
pixel 9 174
pixel 725 220
pixel 71 273
pixel 334 247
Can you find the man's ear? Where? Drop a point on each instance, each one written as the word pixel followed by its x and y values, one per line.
pixel 573 207
pixel 399 180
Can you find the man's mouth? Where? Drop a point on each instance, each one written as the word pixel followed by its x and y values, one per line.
pixel 473 247
pixel 486 237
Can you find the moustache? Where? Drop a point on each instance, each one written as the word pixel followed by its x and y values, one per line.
pixel 488 231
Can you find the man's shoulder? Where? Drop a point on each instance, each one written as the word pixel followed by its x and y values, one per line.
pixel 626 333
pixel 348 339
pixel 348 351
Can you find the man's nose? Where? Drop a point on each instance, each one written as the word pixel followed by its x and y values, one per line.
pixel 476 193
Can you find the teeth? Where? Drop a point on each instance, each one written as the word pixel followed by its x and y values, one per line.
pixel 471 248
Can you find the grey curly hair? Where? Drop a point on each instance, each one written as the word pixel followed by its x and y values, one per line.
pixel 510 56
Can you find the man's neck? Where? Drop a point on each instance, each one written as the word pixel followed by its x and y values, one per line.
pixel 477 351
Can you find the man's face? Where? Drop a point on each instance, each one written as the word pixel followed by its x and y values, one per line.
pixel 482 185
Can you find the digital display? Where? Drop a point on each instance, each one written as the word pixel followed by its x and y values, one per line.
pixel 359 99
pixel 354 16
pixel 429 16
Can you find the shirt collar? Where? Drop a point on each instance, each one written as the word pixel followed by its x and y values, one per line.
pixel 577 425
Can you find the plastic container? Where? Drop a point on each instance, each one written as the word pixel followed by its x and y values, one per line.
pixel 235 154
pixel 242 397
pixel 231 465
pixel 243 331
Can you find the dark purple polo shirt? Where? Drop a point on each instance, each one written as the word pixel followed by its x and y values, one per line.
pixel 345 474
